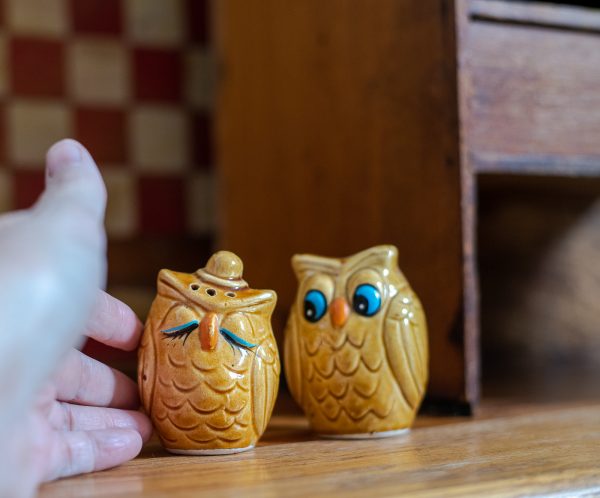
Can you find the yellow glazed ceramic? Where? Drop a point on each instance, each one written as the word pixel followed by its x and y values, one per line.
pixel 356 345
pixel 208 362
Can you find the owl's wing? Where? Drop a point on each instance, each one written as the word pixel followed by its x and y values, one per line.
pixel 147 365
pixel 291 357
pixel 405 339
pixel 265 380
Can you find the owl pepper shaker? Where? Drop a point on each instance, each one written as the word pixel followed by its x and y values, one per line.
pixel 356 345
pixel 208 363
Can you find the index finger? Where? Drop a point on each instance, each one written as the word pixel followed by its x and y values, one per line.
pixel 113 323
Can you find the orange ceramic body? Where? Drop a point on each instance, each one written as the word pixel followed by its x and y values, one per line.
pixel 208 363
pixel 356 345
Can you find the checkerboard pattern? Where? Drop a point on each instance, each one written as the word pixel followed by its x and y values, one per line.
pixel 133 81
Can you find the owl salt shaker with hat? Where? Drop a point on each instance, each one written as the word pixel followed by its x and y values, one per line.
pixel 208 362
pixel 356 357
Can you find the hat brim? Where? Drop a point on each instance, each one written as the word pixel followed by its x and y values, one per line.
pixel 234 284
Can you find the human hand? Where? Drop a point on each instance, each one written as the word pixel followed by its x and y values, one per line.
pixel 61 412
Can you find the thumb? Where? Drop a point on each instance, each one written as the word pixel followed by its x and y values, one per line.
pixel 71 210
pixel 73 181
pixel 52 262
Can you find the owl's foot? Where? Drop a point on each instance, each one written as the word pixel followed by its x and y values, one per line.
pixel 367 435
pixel 208 452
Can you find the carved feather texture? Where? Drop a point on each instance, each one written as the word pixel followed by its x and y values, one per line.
pixel 370 374
pixel 201 399
pixel 406 346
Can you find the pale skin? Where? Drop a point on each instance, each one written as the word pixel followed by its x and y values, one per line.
pixel 61 412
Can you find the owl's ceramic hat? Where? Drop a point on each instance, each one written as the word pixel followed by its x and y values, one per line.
pixel 224 269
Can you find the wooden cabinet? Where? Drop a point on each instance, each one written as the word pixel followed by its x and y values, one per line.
pixel 344 124
pixel 529 98
pixel 531 87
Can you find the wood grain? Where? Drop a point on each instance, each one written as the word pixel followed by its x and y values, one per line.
pixel 510 450
pixel 468 193
pixel 137 261
pixel 532 97
pixel 528 77
pixel 333 135
pixel 538 14
pixel 537 164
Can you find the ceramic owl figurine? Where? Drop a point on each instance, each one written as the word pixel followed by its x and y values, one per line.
pixel 208 363
pixel 356 345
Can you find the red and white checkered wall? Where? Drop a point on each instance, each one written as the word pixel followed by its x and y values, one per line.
pixel 133 81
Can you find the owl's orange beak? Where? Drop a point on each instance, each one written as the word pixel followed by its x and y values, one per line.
pixel 339 312
pixel 209 331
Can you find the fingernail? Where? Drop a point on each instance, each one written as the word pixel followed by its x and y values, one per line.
pixel 119 439
pixel 62 154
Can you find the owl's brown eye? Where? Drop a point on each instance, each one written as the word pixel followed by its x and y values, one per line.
pixel 194 286
pixel 230 294
pixel 211 292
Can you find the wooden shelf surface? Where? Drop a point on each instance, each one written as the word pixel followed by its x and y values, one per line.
pixel 539 14
pixel 507 450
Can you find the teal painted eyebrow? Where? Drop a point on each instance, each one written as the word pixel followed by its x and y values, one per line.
pixel 190 325
pixel 227 334
pixel 230 336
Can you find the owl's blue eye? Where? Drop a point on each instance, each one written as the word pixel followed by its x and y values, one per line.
pixel 366 300
pixel 315 305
